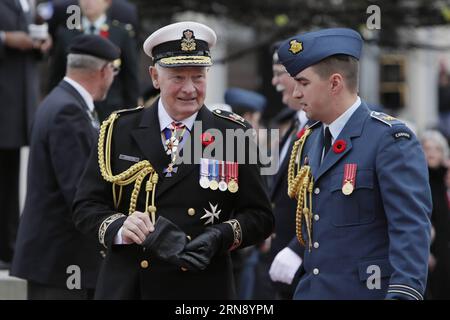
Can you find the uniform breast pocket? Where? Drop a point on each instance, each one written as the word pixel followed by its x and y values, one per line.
pixel 358 207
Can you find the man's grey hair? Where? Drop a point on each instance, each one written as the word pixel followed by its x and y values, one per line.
pixel 84 61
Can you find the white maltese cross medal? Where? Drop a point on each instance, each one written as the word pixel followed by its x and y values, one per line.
pixel 210 215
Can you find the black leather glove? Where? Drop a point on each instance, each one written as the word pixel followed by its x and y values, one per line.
pixel 166 242
pixel 198 253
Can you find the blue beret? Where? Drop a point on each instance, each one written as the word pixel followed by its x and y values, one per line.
pixel 237 97
pixel 307 49
pixel 96 46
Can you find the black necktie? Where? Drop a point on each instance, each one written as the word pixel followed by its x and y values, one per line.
pixel 326 141
pixel 92 29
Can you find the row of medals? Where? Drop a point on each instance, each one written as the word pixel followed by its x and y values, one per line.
pixel 231 186
pixel 222 185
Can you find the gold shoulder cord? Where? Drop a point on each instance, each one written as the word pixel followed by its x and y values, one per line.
pixel 136 173
pixel 300 185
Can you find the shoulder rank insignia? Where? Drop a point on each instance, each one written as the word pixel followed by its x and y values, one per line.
pixel 385 118
pixel 296 46
pixel 130 110
pixel 231 116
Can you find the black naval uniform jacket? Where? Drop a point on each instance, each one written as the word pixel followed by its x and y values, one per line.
pixel 137 134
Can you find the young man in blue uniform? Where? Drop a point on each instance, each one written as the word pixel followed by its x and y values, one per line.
pixel 362 182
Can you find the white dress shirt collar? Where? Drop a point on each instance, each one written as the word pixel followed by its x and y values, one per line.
pixel 337 125
pixel 165 119
pixel 83 92
pixel 97 23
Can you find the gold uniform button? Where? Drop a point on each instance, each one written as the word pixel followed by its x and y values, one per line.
pixel 191 211
pixel 183 269
pixel 144 264
pixel 189 237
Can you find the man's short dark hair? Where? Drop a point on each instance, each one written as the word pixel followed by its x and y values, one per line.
pixel 345 65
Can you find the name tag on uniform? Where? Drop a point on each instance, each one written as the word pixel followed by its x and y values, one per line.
pixel 128 158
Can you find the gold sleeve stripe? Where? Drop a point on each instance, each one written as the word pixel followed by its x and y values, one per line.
pixel 104 226
pixel 237 233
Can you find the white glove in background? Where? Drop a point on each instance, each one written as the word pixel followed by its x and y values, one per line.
pixel 284 266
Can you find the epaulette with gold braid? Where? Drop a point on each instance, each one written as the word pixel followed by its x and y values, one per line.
pixel 300 187
pixel 232 117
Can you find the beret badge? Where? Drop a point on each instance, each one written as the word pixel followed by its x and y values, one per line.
pixel 188 41
pixel 296 46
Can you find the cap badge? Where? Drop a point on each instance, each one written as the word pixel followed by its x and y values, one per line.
pixel 188 41
pixel 295 47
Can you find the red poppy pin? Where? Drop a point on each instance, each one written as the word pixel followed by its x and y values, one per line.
pixel 206 138
pixel 104 31
pixel 104 34
pixel 301 133
pixel 339 146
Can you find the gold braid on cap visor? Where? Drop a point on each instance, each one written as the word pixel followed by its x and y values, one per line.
pixel 136 173
pixel 201 60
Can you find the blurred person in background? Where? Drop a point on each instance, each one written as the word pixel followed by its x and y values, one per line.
pixel 125 88
pixel 444 101
pixel 19 91
pixel 64 132
pixel 437 152
pixel 246 103
pixel 123 11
